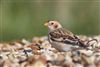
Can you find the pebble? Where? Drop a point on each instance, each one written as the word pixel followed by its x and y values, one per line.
pixel 39 53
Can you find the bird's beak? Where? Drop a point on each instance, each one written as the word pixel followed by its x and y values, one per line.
pixel 46 24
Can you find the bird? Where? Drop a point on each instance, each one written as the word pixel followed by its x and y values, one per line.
pixel 62 39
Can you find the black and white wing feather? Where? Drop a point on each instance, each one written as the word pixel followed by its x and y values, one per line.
pixel 65 36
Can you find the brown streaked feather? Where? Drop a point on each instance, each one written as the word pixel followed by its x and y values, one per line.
pixel 61 35
pixel 61 32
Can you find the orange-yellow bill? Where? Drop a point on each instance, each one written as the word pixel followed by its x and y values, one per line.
pixel 46 24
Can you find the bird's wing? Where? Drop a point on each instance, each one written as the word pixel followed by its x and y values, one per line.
pixel 62 35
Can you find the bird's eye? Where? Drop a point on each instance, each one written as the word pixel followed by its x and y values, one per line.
pixel 52 23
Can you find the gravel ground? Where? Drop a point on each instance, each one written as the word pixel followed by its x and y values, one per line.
pixel 39 53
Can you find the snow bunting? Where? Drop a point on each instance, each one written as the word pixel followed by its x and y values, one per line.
pixel 61 39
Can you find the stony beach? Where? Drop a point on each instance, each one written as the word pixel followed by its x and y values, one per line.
pixel 39 53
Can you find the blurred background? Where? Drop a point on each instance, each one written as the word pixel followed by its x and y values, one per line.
pixel 25 18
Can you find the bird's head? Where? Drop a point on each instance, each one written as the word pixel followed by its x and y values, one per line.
pixel 53 25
